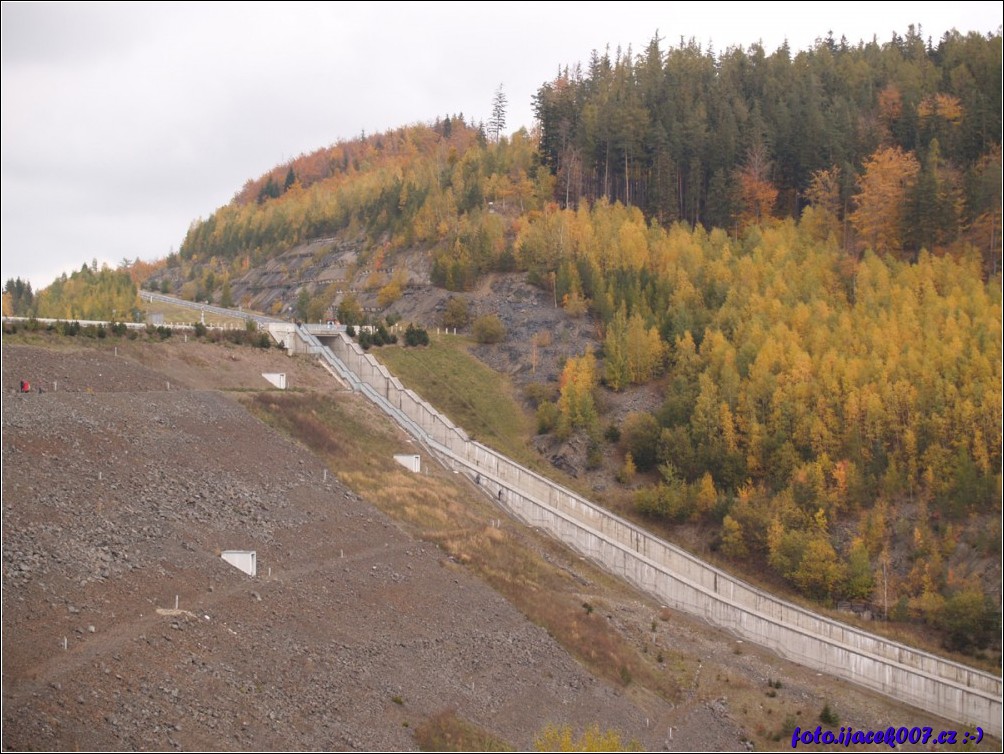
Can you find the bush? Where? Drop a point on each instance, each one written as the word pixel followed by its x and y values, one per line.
pixel 547 417
pixel 539 392
pixel 555 738
pixel 828 717
pixel 445 731
pixel 627 472
pixel 389 293
pixel 200 330
pixel 640 437
pixel 488 329
pixel 416 336
pixel 349 311
pixel 381 337
pixel 456 314
pixel 612 434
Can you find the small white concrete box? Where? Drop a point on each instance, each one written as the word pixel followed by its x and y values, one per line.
pixel 276 378
pixel 412 462
pixel 242 560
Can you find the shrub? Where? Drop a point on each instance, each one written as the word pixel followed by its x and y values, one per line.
pixel 389 293
pixel 349 311
pixel 612 434
pixel 488 329
pixel 828 717
pixel 627 472
pixel 446 731
pixel 547 417
pixel 539 392
pixel 456 314
pixel 554 738
pixel 416 336
pixel 626 677
pixel 200 330
pixel 640 437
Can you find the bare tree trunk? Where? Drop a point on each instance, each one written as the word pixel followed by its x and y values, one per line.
pixel 606 173
pixel 627 181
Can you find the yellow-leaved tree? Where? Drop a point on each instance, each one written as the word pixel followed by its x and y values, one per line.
pixel 576 406
pixel 561 738
pixel 890 174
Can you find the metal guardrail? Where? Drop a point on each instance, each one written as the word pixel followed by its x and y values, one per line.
pixel 261 319
pixel 107 323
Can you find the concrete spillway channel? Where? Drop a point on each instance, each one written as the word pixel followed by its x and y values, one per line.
pixel 675 577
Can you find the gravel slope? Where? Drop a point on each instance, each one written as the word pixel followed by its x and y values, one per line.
pixel 118 496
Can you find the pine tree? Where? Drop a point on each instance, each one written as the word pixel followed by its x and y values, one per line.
pixel 496 124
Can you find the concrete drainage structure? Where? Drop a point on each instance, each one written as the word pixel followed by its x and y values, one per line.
pixel 276 378
pixel 412 462
pixel 242 560
pixel 672 575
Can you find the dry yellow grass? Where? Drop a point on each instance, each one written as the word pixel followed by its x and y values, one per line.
pixel 437 506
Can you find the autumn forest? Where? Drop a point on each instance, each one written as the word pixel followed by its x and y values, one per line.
pixel 802 250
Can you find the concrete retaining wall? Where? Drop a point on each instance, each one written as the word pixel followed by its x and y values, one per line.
pixel 677 578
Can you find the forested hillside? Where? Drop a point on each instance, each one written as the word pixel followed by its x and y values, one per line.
pixel 802 388
pixel 901 139
pixel 442 186
pixel 89 293
pixel 802 251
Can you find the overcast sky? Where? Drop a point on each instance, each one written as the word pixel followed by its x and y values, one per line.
pixel 123 123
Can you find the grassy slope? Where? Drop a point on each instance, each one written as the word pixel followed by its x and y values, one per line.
pixel 471 394
pixel 181 315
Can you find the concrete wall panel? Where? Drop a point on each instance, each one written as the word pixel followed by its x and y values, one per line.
pixel 684 582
